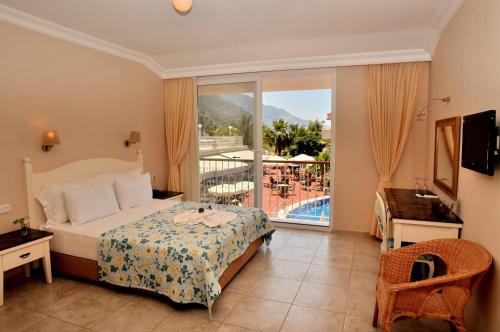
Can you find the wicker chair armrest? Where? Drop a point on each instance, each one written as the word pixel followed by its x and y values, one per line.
pixel 433 282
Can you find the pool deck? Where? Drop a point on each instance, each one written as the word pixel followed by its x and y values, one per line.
pixel 275 204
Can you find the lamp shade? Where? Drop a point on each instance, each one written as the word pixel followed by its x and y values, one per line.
pixel 182 6
pixel 50 138
pixel 135 137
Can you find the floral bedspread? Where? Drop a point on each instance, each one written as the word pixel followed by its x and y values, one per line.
pixel 182 262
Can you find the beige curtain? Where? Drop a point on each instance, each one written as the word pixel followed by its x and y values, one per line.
pixel 392 95
pixel 179 121
pixel 190 177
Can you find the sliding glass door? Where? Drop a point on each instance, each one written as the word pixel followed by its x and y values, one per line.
pixel 229 158
pixel 266 140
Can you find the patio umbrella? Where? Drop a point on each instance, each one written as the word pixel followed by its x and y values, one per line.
pixel 302 157
pixel 269 160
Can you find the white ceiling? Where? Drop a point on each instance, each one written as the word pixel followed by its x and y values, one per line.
pixel 233 31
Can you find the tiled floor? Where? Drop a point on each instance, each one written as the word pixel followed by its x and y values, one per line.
pixel 304 281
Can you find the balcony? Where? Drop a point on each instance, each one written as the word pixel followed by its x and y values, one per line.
pixel 295 192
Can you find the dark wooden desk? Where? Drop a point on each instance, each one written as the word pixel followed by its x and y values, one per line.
pixel 417 219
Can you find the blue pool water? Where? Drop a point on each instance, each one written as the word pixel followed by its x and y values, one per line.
pixel 312 211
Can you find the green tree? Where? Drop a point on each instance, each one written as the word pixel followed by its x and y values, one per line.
pixel 315 126
pixel 282 136
pixel 309 143
pixel 245 129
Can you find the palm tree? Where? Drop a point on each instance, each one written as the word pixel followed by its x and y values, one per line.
pixel 245 128
pixel 268 138
pixel 282 135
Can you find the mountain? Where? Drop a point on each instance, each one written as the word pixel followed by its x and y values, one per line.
pixel 222 112
pixel 269 113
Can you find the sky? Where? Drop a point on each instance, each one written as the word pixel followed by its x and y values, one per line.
pixel 304 104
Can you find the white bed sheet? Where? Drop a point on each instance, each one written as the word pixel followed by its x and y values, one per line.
pixel 81 240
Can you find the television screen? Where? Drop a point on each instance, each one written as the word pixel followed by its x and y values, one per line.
pixel 479 142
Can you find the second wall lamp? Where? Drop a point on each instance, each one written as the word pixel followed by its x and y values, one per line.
pixel 134 137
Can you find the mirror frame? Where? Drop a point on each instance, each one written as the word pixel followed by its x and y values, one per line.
pixel 455 123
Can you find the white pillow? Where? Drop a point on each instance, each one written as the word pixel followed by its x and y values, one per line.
pixel 90 202
pixel 52 200
pixel 133 191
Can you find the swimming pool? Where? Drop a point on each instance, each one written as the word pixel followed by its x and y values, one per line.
pixel 312 211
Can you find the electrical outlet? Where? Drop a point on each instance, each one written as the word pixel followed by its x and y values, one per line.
pixel 4 208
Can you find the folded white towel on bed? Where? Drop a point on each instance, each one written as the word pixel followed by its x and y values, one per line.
pixel 219 218
pixel 211 218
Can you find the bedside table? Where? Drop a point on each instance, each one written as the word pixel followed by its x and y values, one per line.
pixel 17 250
pixel 165 194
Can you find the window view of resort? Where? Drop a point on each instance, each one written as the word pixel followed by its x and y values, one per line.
pixel 295 181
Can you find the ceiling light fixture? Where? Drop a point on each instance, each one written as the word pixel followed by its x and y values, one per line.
pixel 183 7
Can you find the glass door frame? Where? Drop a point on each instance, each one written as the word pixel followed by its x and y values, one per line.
pixel 258 151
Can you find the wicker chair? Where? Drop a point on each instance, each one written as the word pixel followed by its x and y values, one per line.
pixel 443 297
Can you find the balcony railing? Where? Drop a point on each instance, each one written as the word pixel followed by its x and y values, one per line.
pixel 220 142
pixel 293 192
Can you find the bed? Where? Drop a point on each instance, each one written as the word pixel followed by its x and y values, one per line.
pixel 142 247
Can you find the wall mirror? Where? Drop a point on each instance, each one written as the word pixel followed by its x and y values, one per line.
pixel 447 155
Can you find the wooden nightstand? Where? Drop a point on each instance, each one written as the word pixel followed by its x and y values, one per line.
pixel 165 194
pixel 17 250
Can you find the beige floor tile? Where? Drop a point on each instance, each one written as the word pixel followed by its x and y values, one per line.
pixel 280 238
pixel 260 260
pixel 51 324
pixel 301 319
pixel 224 304
pixel 272 249
pixel 16 319
pixel 328 275
pixel 365 262
pixel 49 298
pixel 358 324
pixel 360 303
pixel 244 280
pixel 140 315
pixel 19 286
pixel 333 258
pixel 370 247
pixel 192 319
pixel 258 314
pixel 91 309
pixel 330 243
pixel 287 269
pixel 232 328
pixel 302 255
pixel 323 297
pixel 277 289
pixel 363 280
pixel 301 241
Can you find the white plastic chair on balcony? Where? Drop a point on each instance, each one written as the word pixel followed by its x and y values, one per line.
pixel 383 220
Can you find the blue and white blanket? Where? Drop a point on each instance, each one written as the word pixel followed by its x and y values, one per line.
pixel 183 262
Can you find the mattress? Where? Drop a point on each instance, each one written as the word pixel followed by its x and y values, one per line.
pixel 81 240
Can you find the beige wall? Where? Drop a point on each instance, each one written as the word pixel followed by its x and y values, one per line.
pixel 466 66
pixel 91 98
pixel 356 177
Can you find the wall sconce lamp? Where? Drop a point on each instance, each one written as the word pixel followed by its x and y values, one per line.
pixel 135 137
pixel 423 111
pixel 50 138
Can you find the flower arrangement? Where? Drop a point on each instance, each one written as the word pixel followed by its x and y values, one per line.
pixel 25 224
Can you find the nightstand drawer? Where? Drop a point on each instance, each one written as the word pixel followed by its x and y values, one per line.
pixel 22 256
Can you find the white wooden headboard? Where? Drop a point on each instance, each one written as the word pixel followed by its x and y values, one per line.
pixel 72 172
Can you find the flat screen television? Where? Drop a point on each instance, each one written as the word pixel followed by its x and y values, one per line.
pixel 479 142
